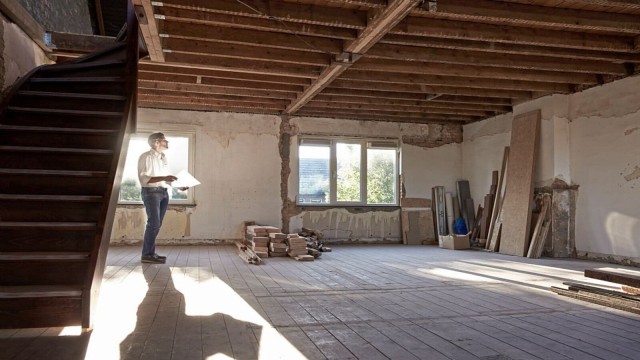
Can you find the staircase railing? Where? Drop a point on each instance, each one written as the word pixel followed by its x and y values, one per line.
pixel 128 125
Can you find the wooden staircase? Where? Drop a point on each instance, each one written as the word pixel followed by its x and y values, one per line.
pixel 63 138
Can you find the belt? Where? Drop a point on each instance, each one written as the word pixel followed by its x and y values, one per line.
pixel 154 187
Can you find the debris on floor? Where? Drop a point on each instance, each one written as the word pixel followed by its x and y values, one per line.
pixel 628 299
pixel 262 241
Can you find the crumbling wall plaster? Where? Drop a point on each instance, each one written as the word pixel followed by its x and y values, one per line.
pixel 238 164
pixel 19 54
pixel 349 225
pixel 604 156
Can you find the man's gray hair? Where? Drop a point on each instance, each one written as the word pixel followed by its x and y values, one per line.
pixel 153 137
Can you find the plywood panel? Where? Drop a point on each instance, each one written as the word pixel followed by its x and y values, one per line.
pixel 525 134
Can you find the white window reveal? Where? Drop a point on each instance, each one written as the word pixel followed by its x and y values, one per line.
pixel 347 172
pixel 179 154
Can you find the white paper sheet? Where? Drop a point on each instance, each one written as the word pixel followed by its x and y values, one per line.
pixel 185 180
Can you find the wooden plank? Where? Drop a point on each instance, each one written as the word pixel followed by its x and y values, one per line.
pixel 540 231
pixel 149 28
pixel 525 135
pixel 497 201
pixel 615 277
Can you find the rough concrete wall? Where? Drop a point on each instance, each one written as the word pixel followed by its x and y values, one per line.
pixel 238 164
pixel 70 16
pixel 605 162
pixel 18 53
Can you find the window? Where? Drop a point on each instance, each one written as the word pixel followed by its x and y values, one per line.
pixel 347 172
pixel 180 156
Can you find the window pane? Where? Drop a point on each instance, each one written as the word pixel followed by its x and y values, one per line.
pixel 348 172
pixel 314 174
pixel 381 176
pixel 177 154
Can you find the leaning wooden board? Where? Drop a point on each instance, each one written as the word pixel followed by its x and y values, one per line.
pixel 518 198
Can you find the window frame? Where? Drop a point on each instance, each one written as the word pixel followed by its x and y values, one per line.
pixel 143 135
pixel 365 144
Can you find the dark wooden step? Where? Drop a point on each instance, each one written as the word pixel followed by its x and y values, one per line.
pixel 112 85
pixel 65 112
pixel 43 182
pixel 43 100
pixel 50 158
pixel 20 117
pixel 38 270
pixel 629 278
pixel 29 239
pixel 113 68
pixel 50 208
pixel 45 136
pixel 40 306
pixel 47 256
pixel 50 226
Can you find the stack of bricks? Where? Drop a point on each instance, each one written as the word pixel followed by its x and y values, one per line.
pixel 298 248
pixel 259 238
pixel 277 245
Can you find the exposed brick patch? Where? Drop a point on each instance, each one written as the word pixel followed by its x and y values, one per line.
pixel 284 146
pixel 436 136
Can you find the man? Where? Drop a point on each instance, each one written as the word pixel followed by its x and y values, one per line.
pixel 153 170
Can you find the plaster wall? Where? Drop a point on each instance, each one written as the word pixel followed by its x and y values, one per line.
pixel 19 54
pixel 422 167
pixel 605 162
pixel 237 162
pixel 589 139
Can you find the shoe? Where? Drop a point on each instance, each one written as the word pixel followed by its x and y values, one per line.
pixel 160 256
pixel 152 259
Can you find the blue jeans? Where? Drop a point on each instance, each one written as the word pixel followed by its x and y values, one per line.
pixel 155 200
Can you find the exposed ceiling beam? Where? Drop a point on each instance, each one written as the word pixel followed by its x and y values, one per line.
pixel 382 22
pixel 213 89
pixel 149 29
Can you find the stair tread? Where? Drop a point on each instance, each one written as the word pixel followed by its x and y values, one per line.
pixel 49 225
pixel 57 129
pixel 7 292
pixel 79 79
pixel 80 66
pixel 68 255
pixel 67 198
pixel 70 95
pixel 54 172
pixel 56 150
pixel 64 111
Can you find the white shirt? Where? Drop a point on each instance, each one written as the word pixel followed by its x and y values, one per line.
pixel 150 164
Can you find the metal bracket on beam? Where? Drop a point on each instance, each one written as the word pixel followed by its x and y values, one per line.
pixel 428 5
pixel 346 58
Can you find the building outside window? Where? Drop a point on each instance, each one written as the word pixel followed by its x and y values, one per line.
pixel 180 156
pixel 347 172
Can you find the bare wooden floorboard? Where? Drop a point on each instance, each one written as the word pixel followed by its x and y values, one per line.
pixel 357 302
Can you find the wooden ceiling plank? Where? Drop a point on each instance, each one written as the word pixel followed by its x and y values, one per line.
pixel 251 103
pixel 509 34
pixel 252 23
pixel 165 68
pixel 250 37
pixel 386 94
pixel 421 89
pixel 534 16
pixel 160 93
pixel 382 22
pixel 149 29
pixel 249 52
pixel 465 57
pixel 438 80
pixel 486 72
pixel 516 49
pixel 389 117
pixel 277 10
pixel 200 107
pixel 314 104
pixel 213 89
pixel 410 103
pixel 244 66
pixel 239 84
